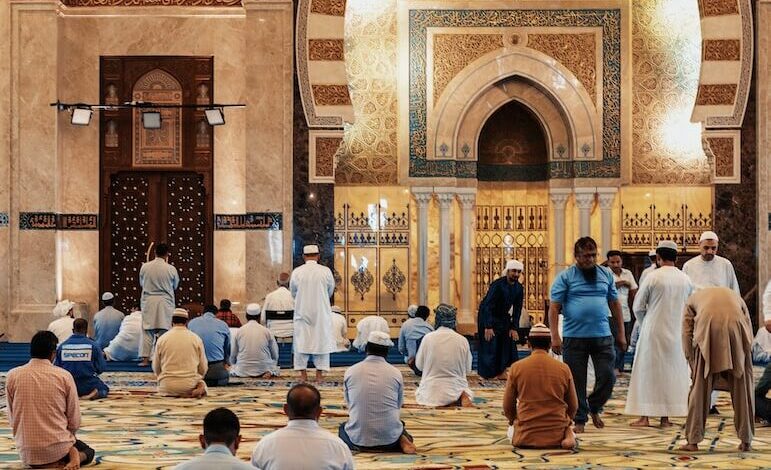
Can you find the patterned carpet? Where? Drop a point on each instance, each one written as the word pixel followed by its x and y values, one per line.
pixel 136 429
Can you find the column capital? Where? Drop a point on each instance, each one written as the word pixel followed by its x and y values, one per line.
pixel 559 199
pixel 584 200
pixel 606 200
pixel 422 198
pixel 445 200
pixel 467 200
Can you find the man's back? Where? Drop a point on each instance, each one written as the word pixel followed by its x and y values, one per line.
pixel 215 335
pixel 62 328
pixel 280 300
pixel 445 358
pixel 179 354
pixel 255 350
pixel 157 277
pixel 125 346
pixel 106 325
pixel 301 445
pixel 366 326
pixel 216 456
pixel 80 356
pixel 412 330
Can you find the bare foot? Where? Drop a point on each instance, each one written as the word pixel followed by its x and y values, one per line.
pixel 664 422
pixel 267 375
pixel 745 447
pixel 90 395
pixel 569 442
pixel 304 376
pixel 579 429
pixel 319 376
pixel 407 446
pixel 74 460
pixel 689 447
pixel 465 400
pixel 199 391
pixel 144 363
pixel 597 421
pixel 640 423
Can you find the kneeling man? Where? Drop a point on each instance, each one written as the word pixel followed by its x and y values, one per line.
pixel 540 397
pixel 81 357
pixel 255 351
pixel 180 360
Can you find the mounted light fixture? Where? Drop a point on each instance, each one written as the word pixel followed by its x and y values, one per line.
pixel 215 116
pixel 151 119
pixel 81 116
pixel 151 116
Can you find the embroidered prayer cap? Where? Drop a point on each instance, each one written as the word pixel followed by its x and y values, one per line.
pixel 336 309
pixel 539 330
pixel 412 310
pixel 380 338
pixel 63 308
pixel 311 250
pixel 668 244
pixel 253 309
pixel 180 312
pixel 108 296
pixel 708 235
pixel 445 315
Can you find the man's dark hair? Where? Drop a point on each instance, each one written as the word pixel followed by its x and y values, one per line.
pixel 303 401
pixel 43 344
pixel 376 349
pixel 161 250
pixel 422 312
pixel 667 254
pixel 613 253
pixel 221 426
pixel 108 303
pixel 583 244
pixel 80 325
pixel 210 309
pixel 177 320
pixel 225 304
pixel 539 342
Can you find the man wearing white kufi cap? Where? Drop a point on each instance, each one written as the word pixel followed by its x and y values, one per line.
pixel 107 321
pixel 649 269
pixel 497 328
pixel 255 351
pixel 710 270
pixel 311 286
pixel 660 374
pixel 65 318
pixel 180 362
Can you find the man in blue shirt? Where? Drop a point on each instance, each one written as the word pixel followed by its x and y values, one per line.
pixel 215 335
pixel 220 439
pixel 81 357
pixel 107 321
pixel 412 331
pixel 583 293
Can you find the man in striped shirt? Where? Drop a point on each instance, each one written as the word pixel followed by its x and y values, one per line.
pixel 43 409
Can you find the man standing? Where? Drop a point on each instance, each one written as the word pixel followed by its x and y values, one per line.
pixel 43 409
pixel 540 399
pixel 255 351
pixel 159 280
pixel 107 321
pixel 717 338
pixel 180 360
pixel 413 331
pixel 83 358
pixel 280 300
pixel 583 293
pixel 497 329
pixel 651 268
pixel 374 392
pixel 215 335
pixel 627 288
pixel 65 317
pixel 220 440
pixel 659 384
pixel 125 346
pixel 311 286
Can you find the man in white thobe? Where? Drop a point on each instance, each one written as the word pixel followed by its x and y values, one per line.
pixel 341 329
pixel 65 319
pixel 636 327
pixel 311 286
pixel 125 346
pixel 254 351
pixel 445 358
pixel 710 270
pixel 660 374
pixel 159 280
pixel 280 300
pixel 367 325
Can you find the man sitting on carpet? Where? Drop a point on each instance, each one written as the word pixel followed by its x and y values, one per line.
pixel 125 346
pixel 255 351
pixel 445 358
pixel 302 443
pixel 180 360
pixel 340 328
pixel 374 392
pixel 412 331
pixel 215 335
pixel 107 321
pixel 43 409
pixel 540 398
pixel 84 359
pixel 220 439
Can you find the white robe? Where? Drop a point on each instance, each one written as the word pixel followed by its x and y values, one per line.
pixel 62 328
pixel 660 374
pixel 341 332
pixel 311 286
pixel 279 300
pixel 445 358
pixel 254 351
pixel 125 346
pixel 159 280
pixel 645 273
pixel 366 326
pixel 767 302
pixel 716 273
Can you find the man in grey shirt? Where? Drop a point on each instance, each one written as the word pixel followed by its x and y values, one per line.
pixel 374 392
pixel 159 280
pixel 220 440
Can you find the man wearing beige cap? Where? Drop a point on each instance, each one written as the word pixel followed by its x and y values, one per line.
pixel 311 286
pixel 540 399
pixel 180 361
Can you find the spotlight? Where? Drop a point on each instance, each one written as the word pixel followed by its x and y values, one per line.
pixel 215 117
pixel 81 116
pixel 151 119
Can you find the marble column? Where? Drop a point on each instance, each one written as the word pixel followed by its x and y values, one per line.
pixel 606 197
pixel 423 198
pixel 559 198
pixel 466 202
pixel 445 200
pixel 584 203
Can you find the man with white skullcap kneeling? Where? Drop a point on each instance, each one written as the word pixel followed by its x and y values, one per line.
pixel 255 351
pixel 180 361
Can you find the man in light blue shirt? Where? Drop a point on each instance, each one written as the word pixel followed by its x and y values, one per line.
pixel 374 392
pixel 107 321
pixel 583 293
pixel 413 330
pixel 220 439
pixel 215 335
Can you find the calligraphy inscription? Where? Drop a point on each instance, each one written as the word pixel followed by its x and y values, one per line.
pixel 249 221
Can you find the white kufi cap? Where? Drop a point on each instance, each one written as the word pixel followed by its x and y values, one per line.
pixel 709 235
pixel 311 250
pixel 336 309
pixel 652 253
pixel 412 310
pixel 513 264
pixel 180 312
pixel 108 296
pixel 253 309
pixel 379 337
pixel 667 244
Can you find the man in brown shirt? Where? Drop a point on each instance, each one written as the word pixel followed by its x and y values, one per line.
pixel 540 397
pixel 717 341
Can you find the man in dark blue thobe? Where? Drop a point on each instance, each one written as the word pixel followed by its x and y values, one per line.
pixel 498 329
pixel 84 359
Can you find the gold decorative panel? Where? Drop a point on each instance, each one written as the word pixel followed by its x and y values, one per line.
pixel 453 52
pixel 331 95
pixel 328 7
pixel 718 7
pixel 577 52
pixel 725 147
pixel 158 147
pixel 712 95
pixel 666 145
pixel 322 154
pixel 325 49
pixel 722 49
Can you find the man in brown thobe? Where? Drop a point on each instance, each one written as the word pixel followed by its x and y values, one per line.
pixel 717 341
pixel 540 397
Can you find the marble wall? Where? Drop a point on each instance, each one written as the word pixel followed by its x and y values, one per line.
pixel 763 162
